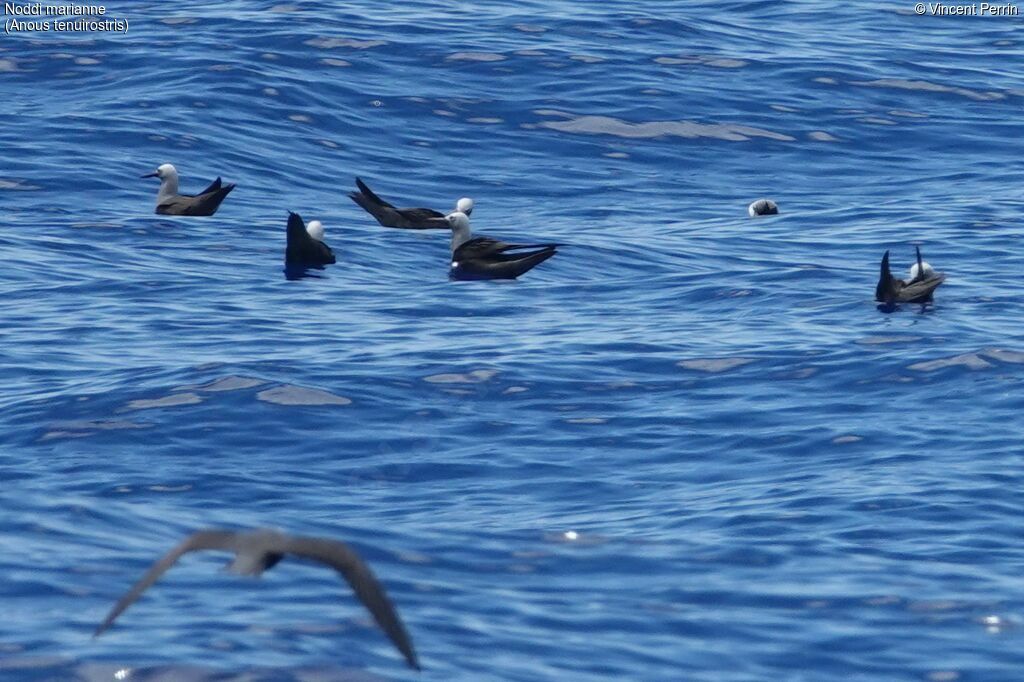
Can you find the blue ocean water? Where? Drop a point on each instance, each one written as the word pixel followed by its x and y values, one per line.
pixel 689 447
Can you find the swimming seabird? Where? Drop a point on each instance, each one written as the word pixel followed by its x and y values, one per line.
pixel 306 247
pixel 923 282
pixel 260 550
pixel 169 202
pixel 763 207
pixel 407 218
pixel 486 258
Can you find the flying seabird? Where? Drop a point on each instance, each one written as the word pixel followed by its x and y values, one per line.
pixel 407 218
pixel 763 207
pixel 169 202
pixel 306 247
pixel 486 258
pixel 923 282
pixel 260 550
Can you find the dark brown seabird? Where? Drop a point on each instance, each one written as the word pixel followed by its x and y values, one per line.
pixel 405 218
pixel 260 550
pixel 306 246
pixel 169 202
pixel 486 258
pixel 923 283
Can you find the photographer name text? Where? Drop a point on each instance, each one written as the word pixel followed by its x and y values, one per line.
pixel 977 9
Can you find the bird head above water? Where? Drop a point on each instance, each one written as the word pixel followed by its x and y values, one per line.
pixel 763 207
pixel 928 270
pixel 165 172
pixel 459 223
pixel 457 220
pixel 464 205
pixel 168 175
pixel 316 230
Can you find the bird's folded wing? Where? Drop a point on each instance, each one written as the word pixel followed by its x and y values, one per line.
pixel 369 591
pixel 423 215
pixel 328 255
pixel 916 290
pixel 485 247
pixel 481 247
pixel 175 204
pixel 204 539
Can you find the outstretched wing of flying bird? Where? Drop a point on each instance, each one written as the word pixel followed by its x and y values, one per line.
pixel 363 582
pixel 204 539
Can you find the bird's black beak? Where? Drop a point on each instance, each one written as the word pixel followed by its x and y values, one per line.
pixel 150 175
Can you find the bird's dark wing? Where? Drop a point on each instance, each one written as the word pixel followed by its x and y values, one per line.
pixel 479 247
pixel 177 205
pixel 205 204
pixel 204 539
pixel 485 248
pixel 506 266
pixel 369 591
pixel 370 194
pixel 920 291
pixel 423 215
pixel 413 214
pixel 389 216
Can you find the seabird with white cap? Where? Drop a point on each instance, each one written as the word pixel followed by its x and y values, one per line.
pixel 763 207
pixel 405 218
pixel 486 258
pixel 306 246
pixel 169 202
pixel 260 550
pixel 924 280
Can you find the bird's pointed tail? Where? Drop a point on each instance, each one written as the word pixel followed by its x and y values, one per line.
pixel 885 292
pixel 370 195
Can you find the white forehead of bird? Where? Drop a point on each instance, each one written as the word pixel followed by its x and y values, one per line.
pixel 166 170
pixel 464 205
pixel 315 230
pixel 458 220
